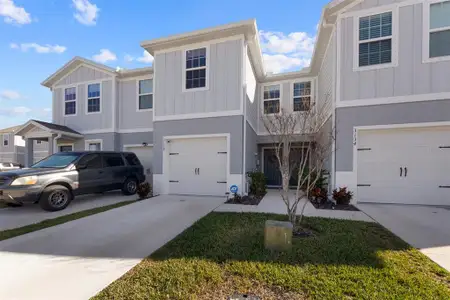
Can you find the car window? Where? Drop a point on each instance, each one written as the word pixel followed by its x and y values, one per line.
pixel 112 160
pixel 132 159
pixel 91 161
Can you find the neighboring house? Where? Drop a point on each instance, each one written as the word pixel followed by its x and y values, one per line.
pixel 12 147
pixel 194 119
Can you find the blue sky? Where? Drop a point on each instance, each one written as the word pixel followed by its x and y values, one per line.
pixel 39 36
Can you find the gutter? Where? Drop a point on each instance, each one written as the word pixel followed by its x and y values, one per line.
pixel 55 142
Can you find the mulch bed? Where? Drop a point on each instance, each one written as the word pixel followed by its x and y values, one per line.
pixel 245 200
pixel 332 206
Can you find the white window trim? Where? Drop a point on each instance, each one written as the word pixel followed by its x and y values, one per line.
pixel 427 31
pixel 183 67
pixel 393 37
pixel 263 100
pixel 65 144
pixel 138 95
pixel 95 141
pixel 310 95
pixel 87 98
pixel 5 138
pixel 64 101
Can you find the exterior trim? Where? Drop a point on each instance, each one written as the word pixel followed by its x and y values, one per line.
pixel 5 139
pixel 199 115
pixel 101 99
pixel 135 130
pixel 358 129
pixel 313 95
pixel 136 145
pixel 262 100
pixel 87 142
pixel 64 101
pixel 377 9
pixel 183 67
pixel 426 34
pixel 138 79
pixel 394 37
pixel 392 100
pixel 64 144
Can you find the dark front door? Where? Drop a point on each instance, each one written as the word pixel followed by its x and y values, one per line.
pixel 272 170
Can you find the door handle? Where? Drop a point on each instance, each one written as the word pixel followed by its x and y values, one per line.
pixel 198 171
pixel 401 171
pixel 406 171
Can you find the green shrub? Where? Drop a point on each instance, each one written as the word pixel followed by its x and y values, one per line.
pixel 258 186
pixel 145 190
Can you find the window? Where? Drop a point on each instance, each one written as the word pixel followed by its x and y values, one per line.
pixel 272 99
pixel 196 69
pixel 97 146
pixel 439 29
pixel 93 105
pixel 302 96
pixel 38 142
pixel 145 100
pixel 65 148
pixel 375 40
pixel 112 160
pixel 90 161
pixel 132 159
pixel 70 101
pixel 5 139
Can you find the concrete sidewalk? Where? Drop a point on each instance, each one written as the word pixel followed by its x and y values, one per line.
pixel 76 260
pixel 13 217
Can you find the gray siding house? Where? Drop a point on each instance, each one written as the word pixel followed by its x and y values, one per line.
pixel 12 147
pixel 380 69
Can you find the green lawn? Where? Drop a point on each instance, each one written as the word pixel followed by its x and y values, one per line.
pixel 223 253
pixel 10 233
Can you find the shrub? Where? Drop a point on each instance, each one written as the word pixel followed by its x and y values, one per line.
pixel 342 196
pixel 145 190
pixel 258 185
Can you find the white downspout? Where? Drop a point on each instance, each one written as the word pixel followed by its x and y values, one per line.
pixel 55 143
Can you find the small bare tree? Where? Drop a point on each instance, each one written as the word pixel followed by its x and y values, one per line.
pixel 306 130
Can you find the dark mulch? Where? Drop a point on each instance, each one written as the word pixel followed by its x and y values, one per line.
pixel 245 200
pixel 331 206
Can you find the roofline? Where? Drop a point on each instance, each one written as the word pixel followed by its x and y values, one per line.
pixel 33 122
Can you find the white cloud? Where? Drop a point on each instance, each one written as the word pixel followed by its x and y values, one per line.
pixel 38 48
pixel 283 52
pixel 146 58
pixel 13 14
pixel 86 12
pixel 10 95
pixel 14 111
pixel 104 56
pixel 129 58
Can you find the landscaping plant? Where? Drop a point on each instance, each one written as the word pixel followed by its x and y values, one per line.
pixel 342 196
pixel 145 190
pixel 258 186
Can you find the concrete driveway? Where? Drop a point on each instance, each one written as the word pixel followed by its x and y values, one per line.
pixel 13 217
pixel 424 227
pixel 78 259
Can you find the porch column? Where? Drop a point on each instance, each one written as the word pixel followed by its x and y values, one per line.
pixel 29 152
pixel 51 145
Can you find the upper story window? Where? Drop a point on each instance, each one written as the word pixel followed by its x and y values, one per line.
pixel 93 99
pixel 302 96
pixel 70 101
pixel 271 99
pixel 6 139
pixel 145 96
pixel 439 29
pixel 196 69
pixel 375 40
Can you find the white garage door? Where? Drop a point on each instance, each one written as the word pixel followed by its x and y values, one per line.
pixel 410 166
pixel 198 166
pixel 145 155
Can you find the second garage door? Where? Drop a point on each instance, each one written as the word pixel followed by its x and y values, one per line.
pixel 198 166
pixel 410 166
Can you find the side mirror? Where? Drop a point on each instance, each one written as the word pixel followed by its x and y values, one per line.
pixel 81 167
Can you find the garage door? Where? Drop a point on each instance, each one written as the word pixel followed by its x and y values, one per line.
pixel 198 166
pixel 145 155
pixel 409 166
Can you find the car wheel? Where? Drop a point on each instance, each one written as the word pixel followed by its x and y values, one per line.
pixel 55 197
pixel 130 186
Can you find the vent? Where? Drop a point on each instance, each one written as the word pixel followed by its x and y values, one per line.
pixel 444 147
pixel 173 181
pixel 364 185
pixel 222 152
pixel 174 153
pixel 364 149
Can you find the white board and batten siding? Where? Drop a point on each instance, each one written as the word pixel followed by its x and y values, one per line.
pixel 225 81
pixel 404 165
pixel 198 166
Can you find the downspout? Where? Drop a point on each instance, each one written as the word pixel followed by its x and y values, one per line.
pixel 55 142
pixel 244 111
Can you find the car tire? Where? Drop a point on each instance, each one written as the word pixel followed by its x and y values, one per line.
pixel 55 197
pixel 130 187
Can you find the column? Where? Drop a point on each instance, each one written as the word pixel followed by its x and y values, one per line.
pixel 51 145
pixel 29 152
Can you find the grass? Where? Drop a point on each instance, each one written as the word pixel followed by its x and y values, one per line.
pixel 224 253
pixel 10 233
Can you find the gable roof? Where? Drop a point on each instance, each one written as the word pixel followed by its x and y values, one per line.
pixel 54 128
pixel 12 129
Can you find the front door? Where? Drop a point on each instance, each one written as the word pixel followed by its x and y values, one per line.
pixel 272 169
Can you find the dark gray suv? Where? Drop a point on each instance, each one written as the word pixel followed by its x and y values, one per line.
pixel 54 181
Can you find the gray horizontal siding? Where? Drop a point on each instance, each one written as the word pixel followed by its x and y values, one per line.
pixel 225 82
pixel 402 113
pixel 410 77
pixel 232 125
pixel 82 74
pixel 129 117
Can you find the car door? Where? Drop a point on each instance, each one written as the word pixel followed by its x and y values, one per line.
pixel 90 174
pixel 115 170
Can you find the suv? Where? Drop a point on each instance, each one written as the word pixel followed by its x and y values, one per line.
pixel 6 166
pixel 54 181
